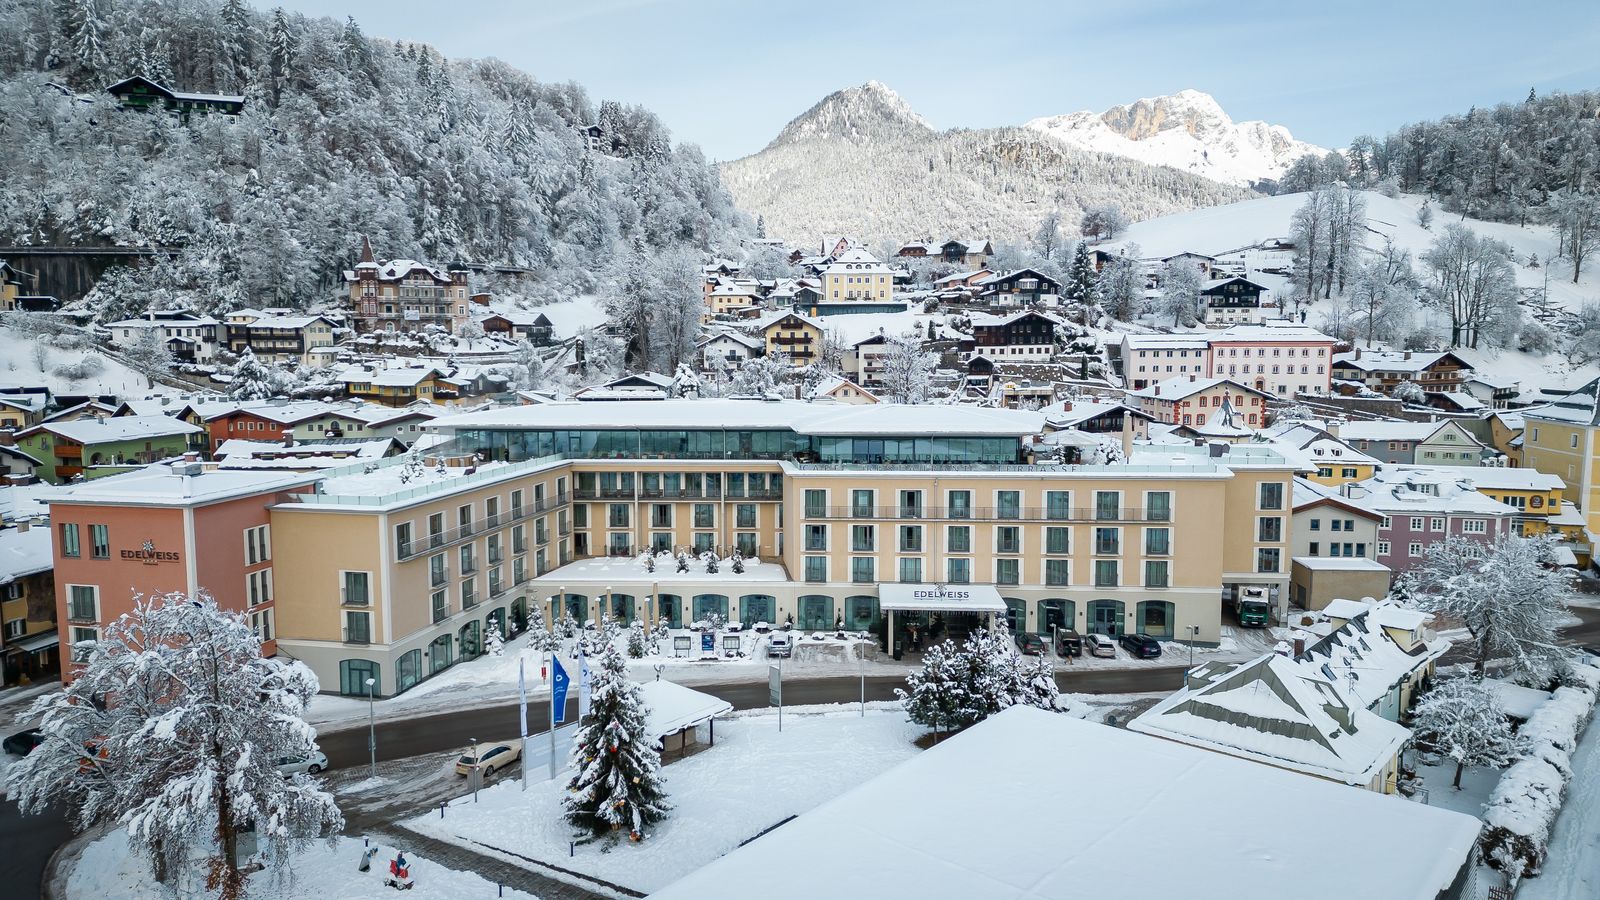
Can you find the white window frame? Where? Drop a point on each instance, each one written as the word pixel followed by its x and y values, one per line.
pixel 257 536
pixel 258 587
pixel 1414 548
pixel 343 581
pixel 1383 548
pixel 94 590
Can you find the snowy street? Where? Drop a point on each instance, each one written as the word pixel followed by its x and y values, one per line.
pixel 1572 871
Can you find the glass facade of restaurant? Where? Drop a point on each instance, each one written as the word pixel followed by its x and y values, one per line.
pixel 514 445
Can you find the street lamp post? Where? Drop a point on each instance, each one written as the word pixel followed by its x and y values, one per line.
pixel 372 728
pixel 1194 631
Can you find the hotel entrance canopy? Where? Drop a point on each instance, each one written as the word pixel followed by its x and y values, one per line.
pixel 976 598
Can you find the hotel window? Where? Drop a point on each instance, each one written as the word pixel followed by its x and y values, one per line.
pixel 261 624
pixel 1155 573
pixel 69 540
pixel 1158 506
pixel 519 536
pixel 1107 506
pixel 816 503
pixel 910 570
pixel 1057 539
pixel 1316 524
pixel 258 586
pixel 83 603
pixel 357 627
pixel 960 504
pixel 1009 504
pixel 958 539
pixel 1157 541
pixel 861 569
pixel 81 635
pixel 1268 559
pixel 1105 573
pixel 745 542
pixel 257 547
pixel 436 529
pixel 469 593
pixel 1008 539
pixel 469 559
pixel 1414 548
pixel 861 504
pixel 100 541
pixel 958 571
pixel 491 512
pixel 516 502
pixel 464 519
pixel 1475 526
pixel 704 541
pixel 863 538
pixel 1006 571
pixel 1436 523
pixel 1107 541
pixel 519 570
pixel 816 537
pixel 910 504
pixel 1269 529
pixel 705 515
pixel 910 538
pixel 617 515
pixel 744 515
pixel 660 515
pixel 402 539
pixel 1416 523
pixel 1315 549
pixel 1272 495
pixel 816 568
pixel 1056 571
pixel 1383 548
pixel 1058 504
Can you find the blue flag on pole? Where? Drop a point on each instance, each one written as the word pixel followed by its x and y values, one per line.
pixel 558 691
pixel 522 699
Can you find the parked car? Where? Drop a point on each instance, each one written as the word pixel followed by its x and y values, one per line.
pixel 311 765
pixel 1141 646
pixel 1069 643
pixel 1100 645
pixel 491 757
pixel 23 742
pixel 1030 644
pixel 780 643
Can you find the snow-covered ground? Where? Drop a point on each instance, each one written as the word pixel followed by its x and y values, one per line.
pixel 18 368
pixel 753 778
pixel 321 872
pixel 1572 870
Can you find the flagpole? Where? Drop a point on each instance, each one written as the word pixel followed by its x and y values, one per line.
pixel 522 712
pixel 553 717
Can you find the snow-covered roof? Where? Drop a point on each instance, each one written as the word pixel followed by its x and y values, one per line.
pixel 284 412
pixel 673 707
pixel 1502 478
pixel 1394 360
pixel 948 824
pixel 159 485
pixel 24 553
pixel 1271 711
pixel 1341 564
pixel 1580 407
pixel 1517 701
pixel 1358 653
pixel 1271 333
pixel 737 337
pixel 1427 491
pixel 1181 386
pixel 285 322
pixel 322 454
pixel 121 428
pixel 1166 341
pixel 767 320
pixel 987 320
pixel 1308 493
pixel 408 376
pixel 798 415
pixel 396 269
pixel 1392 431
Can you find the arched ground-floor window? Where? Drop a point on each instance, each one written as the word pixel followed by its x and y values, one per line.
pixel 755 608
pixel 353 675
pixel 1154 617
pixel 1056 614
pixel 816 612
pixel 670 607
pixel 408 670
pixel 705 605
pixel 439 653
pixel 1105 616
pixel 1016 614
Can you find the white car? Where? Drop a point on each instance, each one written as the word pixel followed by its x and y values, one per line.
pixel 1100 645
pixel 311 765
pixel 490 757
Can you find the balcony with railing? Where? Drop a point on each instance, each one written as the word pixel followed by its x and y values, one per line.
pixel 411 549
pixel 991 513
pixel 439 577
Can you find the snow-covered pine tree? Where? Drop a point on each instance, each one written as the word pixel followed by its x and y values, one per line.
pixel 636 637
pixel 1461 720
pixel 1080 286
pixel 250 380
pixel 1507 594
pixel 186 754
pixel 936 695
pixel 494 643
pixel 617 785
pixel 710 559
pixel 736 563
pixel 659 635
pixel 683 561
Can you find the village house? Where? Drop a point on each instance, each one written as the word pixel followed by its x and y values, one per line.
pixel 1199 260
pixel 1191 400
pixel 729 297
pixel 1383 370
pixel 141 93
pixel 28 638
pixel 1423 507
pixel 1283 359
pixel 1443 443
pixel 728 349
pixel 1326 523
pixel 19 411
pixel 842 390
pixel 969 252
pixel 1491 391
pixel 94 448
pixel 856 275
pixel 1025 336
pixel 191 337
pixel 406 295
pixel 864 362
pixel 1560 439
pixel 1236 301
pixel 520 325
pixel 1023 287
pixel 399 386
pixel 797 336
pixel 1151 358
pixel 965 282
pixel 272 420
pixel 279 335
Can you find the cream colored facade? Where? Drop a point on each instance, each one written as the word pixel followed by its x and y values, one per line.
pixel 1566 450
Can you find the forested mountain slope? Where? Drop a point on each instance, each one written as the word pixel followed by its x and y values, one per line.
pixel 342 135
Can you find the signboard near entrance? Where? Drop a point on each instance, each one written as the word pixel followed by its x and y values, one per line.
pixel 708 642
pixel 935 597
pixel 150 556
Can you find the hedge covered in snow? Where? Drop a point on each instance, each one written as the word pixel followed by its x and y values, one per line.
pixel 1524 805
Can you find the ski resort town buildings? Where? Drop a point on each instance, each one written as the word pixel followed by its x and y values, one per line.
pixel 864 517
pixel 406 295
pixel 1283 360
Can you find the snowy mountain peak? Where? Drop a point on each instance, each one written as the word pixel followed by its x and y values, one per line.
pixel 1188 130
pixel 863 113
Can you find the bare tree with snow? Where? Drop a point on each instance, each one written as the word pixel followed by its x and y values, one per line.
pixel 1180 293
pixel 1471 281
pixel 1461 720
pixel 1103 221
pixel 1507 594
pixel 908 369
pixel 1047 238
pixel 147 353
pixel 761 375
pixel 173 730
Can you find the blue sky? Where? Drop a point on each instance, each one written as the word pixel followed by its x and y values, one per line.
pixel 728 75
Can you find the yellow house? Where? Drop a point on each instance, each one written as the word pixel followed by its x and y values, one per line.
pixel 1337 463
pixel 856 275
pixel 1559 439
pixel 19 411
pixel 731 296
pixel 10 287
pixel 796 335
pixel 394 387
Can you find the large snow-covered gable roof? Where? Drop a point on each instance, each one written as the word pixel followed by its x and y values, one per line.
pixel 1415 432
pixel 737 337
pixel 1501 478
pixel 1271 333
pixel 409 376
pixel 1217 288
pixel 121 428
pixel 377 415
pixel 1225 828
pixel 396 269
pixel 1579 407
pixel 1308 493
pixel 1166 341
pixel 1057 415
pixel 1182 386
pixel 768 320
pixel 158 485
pixel 161 89
pixel 800 416
pixel 1408 493
pixel 1361 657
pixel 292 323
pixel 1268 710
pixel 285 413
pixel 24 553
pixel 1395 360
pixel 990 320
pixel 1332 450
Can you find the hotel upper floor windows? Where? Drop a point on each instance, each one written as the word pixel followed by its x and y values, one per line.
pixel 257 544
pixel 69 540
pixel 100 541
pixel 719 444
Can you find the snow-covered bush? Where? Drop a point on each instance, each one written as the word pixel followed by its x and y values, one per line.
pixel 636 639
pixel 494 643
pixel 80 370
pixel 1523 807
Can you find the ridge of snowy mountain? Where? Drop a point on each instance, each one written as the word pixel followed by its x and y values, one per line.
pixel 1188 131
pixel 868 112
pixel 862 162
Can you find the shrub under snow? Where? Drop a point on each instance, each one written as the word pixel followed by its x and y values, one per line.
pixel 1523 807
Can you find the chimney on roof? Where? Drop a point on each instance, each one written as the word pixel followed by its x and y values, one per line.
pixel 1299 645
pixel 288 437
pixel 191 456
pixel 1358 353
pixel 1407 355
pixel 22 526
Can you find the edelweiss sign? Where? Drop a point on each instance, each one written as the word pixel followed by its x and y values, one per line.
pixel 963 597
pixel 149 555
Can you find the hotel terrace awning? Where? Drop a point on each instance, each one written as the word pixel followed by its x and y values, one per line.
pixel 940 597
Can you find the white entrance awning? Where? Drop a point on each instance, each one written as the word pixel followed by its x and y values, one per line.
pixel 941 597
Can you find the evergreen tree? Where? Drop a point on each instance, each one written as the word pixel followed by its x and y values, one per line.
pixel 936 695
pixel 636 639
pixel 1081 277
pixel 250 380
pixel 617 785
pixel 494 644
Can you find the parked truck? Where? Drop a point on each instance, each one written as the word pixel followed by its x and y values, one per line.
pixel 1252 606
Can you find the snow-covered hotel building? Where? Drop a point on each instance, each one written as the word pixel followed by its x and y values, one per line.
pixel 1282 359
pixel 870 517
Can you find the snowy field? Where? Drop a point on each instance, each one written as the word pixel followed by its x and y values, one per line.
pixel 19 368
pixel 753 778
pixel 322 872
